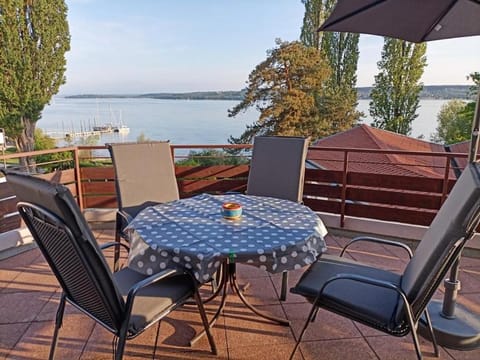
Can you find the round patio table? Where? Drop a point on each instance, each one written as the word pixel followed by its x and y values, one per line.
pixel 273 234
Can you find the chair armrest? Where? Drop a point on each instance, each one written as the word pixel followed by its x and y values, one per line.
pixel 146 282
pixel 115 244
pixel 366 280
pixel 379 241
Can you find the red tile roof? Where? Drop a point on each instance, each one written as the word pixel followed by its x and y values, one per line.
pixel 366 137
pixel 462 147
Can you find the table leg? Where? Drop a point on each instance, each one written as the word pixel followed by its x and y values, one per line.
pixel 223 288
pixel 233 282
pixel 229 277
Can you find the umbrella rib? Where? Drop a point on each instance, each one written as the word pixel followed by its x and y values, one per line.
pixel 440 17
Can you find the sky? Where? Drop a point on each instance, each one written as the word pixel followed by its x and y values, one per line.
pixel 142 46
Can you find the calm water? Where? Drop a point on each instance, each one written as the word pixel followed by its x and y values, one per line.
pixel 180 121
pixel 426 122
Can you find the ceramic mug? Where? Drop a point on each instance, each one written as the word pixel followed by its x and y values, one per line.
pixel 231 210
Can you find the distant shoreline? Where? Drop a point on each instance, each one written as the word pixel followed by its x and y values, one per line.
pixel 439 92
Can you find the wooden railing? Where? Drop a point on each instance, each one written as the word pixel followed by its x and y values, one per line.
pixel 400 198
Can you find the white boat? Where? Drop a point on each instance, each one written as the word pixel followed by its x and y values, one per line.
pixel 105 128
pixel 123 129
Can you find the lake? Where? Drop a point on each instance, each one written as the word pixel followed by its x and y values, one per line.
pixel 180 121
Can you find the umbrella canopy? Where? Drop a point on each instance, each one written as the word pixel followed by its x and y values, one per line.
pixel 414 21
pixel 411 20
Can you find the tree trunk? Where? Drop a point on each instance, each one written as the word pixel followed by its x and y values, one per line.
pixel 26 142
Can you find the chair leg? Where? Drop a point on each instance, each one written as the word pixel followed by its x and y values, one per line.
pixel 206 325
pixel 310 317
pixel 315 314
pixel 116 251
pixel 432 334
pixel 283 292
pixel 122 338
pixel 416 343
pixel 58 325
pixel 156 340
pixel 413 326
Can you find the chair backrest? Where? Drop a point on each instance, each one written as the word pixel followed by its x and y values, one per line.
pixel 63 236
pixel 442 243
pixel 277 167
pixel 144 174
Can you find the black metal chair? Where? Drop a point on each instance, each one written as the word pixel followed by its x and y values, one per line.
pixel 390 302
pixel 144 176
pixel 277 169
pixel 125 302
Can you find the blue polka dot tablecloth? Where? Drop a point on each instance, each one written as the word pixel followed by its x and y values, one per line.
pixel 272 234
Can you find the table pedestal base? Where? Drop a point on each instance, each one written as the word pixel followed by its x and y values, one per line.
pixel 229 276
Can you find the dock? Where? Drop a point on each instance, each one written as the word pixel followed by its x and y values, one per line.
pixel 56 134
pixel 96 131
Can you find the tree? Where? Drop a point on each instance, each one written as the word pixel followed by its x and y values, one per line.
pixel 34 37
pixel 475 76
pixel 62 160
pixel 143 138
pixel 211 157
pixel 395 94
pixel 312 19
pixel 455 117
pixel 339 100
pixel 474 89
pixel 452 124
pixel 282 88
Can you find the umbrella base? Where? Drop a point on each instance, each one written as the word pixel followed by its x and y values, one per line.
pixel 460 333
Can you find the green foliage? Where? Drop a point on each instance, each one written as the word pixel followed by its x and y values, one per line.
pixel 454 121
pixel 453 125
pixel 143 138
pixel 338 100
pixel 211 157
pixel 474 89
pixel 341 51
pixel 315 14
pixel 395 95
pixel 475 77
pixel 283 89
pixel 61 160
pixel 34 37
pixel 456 117
pixel 90 140
pixel 43 141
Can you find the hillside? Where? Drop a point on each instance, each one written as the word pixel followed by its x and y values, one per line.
pixel 197 95
pixel 429 92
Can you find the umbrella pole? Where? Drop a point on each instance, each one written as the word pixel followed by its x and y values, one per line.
pixel 455 326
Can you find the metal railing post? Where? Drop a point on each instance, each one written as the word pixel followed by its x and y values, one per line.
pixel 344 189
pixel 78 178
pixel 445 180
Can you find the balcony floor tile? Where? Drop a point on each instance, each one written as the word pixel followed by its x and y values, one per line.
pixel 29 297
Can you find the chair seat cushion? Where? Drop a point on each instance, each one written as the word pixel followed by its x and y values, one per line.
pixel 154 300
pixel 363 302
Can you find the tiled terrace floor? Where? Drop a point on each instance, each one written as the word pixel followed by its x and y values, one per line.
pixel 29 295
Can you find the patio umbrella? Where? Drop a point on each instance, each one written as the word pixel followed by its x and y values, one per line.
pixel 418 21
pixel 410 20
